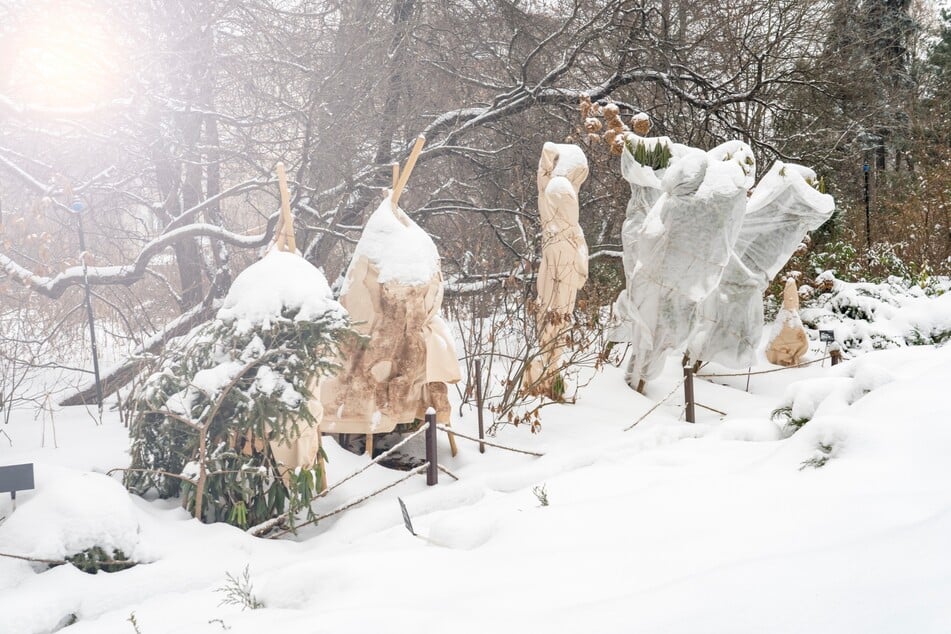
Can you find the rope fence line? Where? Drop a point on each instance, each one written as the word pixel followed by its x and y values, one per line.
pixel 656 405
pixel 427 467
pixel 349 505
pixel 267 525
pixel 379 458
pixel 448 430
pixel 448 472
pixel 264 527
pixel 791 367
pixel 690 401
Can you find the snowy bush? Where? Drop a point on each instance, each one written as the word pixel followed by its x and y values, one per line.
pixel 868 316
pixel 202 424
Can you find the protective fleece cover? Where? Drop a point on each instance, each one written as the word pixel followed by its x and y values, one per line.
pixel 302 450
pixel 393 292
pixel 645 183
pixel 789 340
pixel 683 247
pixel 562 169
pixel 782 209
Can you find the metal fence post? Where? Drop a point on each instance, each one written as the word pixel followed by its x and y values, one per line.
pixel 478 383
pixel 432 471
pixel 690 411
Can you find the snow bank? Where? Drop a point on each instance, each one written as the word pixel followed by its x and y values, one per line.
pixel 720 526
pixel 70 514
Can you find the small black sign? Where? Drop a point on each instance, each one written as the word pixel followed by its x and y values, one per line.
pixel 16 477
pixel 826 336
pixel 406 520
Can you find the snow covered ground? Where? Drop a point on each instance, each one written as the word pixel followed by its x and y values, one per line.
pixel 728 525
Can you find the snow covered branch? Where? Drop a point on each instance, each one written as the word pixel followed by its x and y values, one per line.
pixel 53 287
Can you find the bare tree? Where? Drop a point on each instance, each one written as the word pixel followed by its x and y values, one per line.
pixel 176 163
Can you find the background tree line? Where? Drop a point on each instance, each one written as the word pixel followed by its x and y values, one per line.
pixel 173 114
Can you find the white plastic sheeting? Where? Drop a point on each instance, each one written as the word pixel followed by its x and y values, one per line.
pixel 645 191
pixel 682 248
pixel 782 209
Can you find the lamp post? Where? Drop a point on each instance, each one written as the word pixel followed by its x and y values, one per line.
pixel 868 217
pixel 77 207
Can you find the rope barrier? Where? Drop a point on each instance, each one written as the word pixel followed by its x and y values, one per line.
pixel 448 472
pixel 656 405
pixel 486 442
pixel 267 525
pixel 377 460
pixel 791 367
pixel 360 500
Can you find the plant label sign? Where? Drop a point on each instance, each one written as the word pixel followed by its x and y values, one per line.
pixel 16 477
pixel 827 336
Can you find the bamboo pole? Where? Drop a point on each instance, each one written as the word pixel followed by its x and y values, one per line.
pixel 406 171
pixel 285 237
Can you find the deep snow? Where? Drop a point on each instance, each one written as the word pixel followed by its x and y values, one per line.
pixel 671 527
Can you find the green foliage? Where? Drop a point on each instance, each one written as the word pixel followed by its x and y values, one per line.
pixel 541 493
pixel 232 389
pixel 935 337
pixel 239 591
pixel 852 264
pixel 558 387
pixel 656 157
pixel 824 453
pixel 783 415
pixel 94 559
pixel 940 57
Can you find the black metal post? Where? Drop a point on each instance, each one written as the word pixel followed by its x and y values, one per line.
pixel 89 313
pixel 690 412
pixel 868 216
pixel 432 471
pixel 478 383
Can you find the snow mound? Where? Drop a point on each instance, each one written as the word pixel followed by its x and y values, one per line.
pixel 278 282
pixel 747 430
pixel 464 529
pixel 71 514
pixel 400 250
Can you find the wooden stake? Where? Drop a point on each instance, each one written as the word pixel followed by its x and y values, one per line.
pixel 321 462
pixel 285 238
pixel 396 176
pixel 406 171
pixel 370 445
pixel 452 442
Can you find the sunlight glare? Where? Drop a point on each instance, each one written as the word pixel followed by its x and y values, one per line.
pixel 63 55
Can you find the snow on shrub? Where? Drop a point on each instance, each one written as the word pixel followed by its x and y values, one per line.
pixel 873 316
pixel 203 421
pixel 84 518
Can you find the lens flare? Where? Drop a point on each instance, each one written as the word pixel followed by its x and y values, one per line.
pixel 61 54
